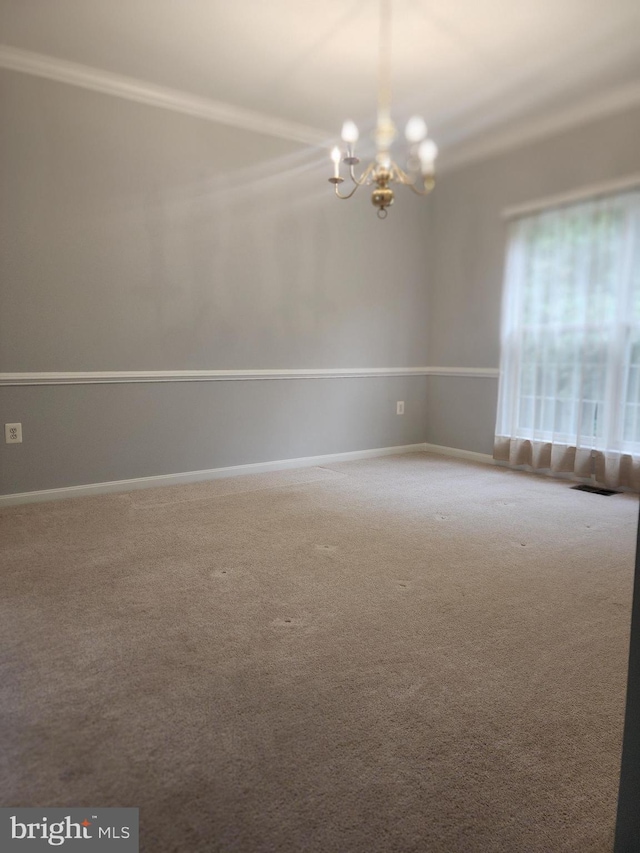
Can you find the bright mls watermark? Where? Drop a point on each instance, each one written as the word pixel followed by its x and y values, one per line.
pixel 80 830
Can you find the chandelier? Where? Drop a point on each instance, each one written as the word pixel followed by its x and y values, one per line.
pixel 383 172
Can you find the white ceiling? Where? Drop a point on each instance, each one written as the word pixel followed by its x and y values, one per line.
pixel 466 65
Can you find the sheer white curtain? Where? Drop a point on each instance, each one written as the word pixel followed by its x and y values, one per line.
pixel 569 394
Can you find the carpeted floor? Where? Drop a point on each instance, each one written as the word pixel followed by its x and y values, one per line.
pixel 411 654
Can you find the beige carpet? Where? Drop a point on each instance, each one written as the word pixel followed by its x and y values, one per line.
pixel 409 653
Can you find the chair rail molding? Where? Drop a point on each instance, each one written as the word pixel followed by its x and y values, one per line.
pixel 132 376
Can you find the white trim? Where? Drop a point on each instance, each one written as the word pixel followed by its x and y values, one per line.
pixel 472 146
pixel 485 372
pixel 584 193
pixel 470 455
pixel 485 143
pixel 197 476
pixel 128 376
pixel 97 80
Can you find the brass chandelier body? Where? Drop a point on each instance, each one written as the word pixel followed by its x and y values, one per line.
pixel 383 172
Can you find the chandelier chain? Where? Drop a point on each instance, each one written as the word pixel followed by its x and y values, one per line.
pixel 384 61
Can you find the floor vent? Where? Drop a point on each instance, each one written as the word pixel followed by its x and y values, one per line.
pixel 595 490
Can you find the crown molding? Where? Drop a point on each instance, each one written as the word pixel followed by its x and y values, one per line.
pixel 136 376
pixel 482 145
pixel 590 193
pixel 130 89
pixel 476 146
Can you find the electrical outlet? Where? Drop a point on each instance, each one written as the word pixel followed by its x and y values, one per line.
pixel 13 433
pixel 400 407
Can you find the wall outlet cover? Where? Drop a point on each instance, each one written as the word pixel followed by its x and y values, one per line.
pixel 13 433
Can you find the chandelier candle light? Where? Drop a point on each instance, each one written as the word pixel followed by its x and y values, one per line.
pixel 383 171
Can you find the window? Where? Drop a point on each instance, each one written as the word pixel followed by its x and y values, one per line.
pixel 570 368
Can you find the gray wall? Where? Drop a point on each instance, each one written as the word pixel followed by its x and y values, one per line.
pixel 135 238
pixel 468 240
pixel 75 435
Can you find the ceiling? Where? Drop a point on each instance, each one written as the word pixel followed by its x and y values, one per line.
pixel 468 66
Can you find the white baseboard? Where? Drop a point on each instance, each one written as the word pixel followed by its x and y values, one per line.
pixel 197 476
pixel 472 455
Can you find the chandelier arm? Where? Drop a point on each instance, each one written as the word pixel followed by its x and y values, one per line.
pixel 345 197
pixel 363 177
pixel 428 187
pixel 401 176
